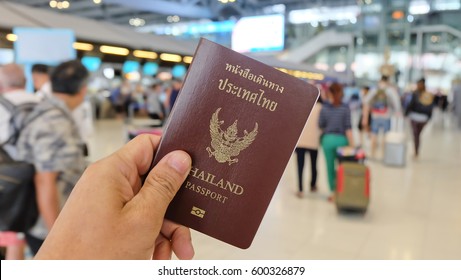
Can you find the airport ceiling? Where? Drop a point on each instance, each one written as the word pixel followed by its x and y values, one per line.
pixel 163 11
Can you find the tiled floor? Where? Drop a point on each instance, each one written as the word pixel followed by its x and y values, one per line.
pixel 415 212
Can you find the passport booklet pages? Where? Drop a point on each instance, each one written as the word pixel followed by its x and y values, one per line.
pixel 239 120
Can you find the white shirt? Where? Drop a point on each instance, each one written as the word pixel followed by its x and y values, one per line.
pixel 45 90
pixel 83 117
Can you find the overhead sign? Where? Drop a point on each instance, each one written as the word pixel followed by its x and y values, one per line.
pixel 43 45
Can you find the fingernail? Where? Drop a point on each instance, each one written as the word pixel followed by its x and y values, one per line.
pixel 180 161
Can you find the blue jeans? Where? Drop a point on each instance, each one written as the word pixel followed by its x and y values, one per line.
pixel 380 123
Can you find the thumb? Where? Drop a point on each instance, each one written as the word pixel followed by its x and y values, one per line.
pixel 162 183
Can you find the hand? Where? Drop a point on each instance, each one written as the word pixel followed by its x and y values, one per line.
pixel 109 215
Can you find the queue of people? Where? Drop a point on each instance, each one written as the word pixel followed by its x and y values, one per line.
pixel 135 99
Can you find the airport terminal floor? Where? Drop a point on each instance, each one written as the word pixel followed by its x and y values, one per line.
pixel 414 212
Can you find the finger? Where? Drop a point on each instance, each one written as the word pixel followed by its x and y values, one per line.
pixel 135 158
pixel 161 185
pixel 162 249
pixel 181 240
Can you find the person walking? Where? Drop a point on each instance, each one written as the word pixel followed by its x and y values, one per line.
pixel 419 111
pixel 383 103
pixel 13 91
pixel 335 124
pixel 309 143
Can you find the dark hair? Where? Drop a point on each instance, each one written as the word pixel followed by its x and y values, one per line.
pixel 336 90
pixel 384 78
pixel 422 80
pixel 40 68
pixel 69 77
pixel 355 96
pixel 366 87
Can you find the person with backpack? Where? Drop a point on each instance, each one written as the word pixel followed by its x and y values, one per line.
pixel 419 111
pixel 383 103
pixel 15 105
pixel 52 143
pixel 13 90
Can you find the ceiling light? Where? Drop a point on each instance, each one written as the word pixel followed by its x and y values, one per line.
pixel 435 39
pixel 114 50
pixel 11 37
pixel 97 1
pixel 170 57
pixel 137 22
pixel 83 46
pixel 59 4
pixel 174 18
pixel 145 54
pixel 419 7
pixel 187 59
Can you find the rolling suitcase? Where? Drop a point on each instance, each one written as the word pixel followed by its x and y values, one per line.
pixel 395 145
pixel 352 187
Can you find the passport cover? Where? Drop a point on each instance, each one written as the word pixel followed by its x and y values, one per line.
pixel 239 120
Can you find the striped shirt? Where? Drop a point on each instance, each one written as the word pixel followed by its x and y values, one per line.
pixel 335 120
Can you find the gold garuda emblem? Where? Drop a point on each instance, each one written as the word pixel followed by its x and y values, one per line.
pixel 227 144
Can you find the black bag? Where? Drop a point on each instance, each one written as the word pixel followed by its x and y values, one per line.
pixel 18 206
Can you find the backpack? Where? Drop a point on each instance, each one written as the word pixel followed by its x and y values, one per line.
pixel 18 206
pixel 379 103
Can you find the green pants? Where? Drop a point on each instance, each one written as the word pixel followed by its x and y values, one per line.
pixel 330 142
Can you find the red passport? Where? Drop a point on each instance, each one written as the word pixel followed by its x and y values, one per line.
pixel 239 120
